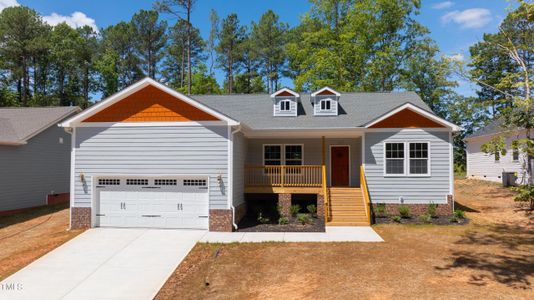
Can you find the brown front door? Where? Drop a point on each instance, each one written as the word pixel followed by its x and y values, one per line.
pixel 339 163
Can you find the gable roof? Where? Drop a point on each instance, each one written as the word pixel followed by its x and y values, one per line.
pixel 328 90
pixel 415 109
pixel 355 110
pixel 284 92
pixel 493 127
pixel 18 125
pixel 72 122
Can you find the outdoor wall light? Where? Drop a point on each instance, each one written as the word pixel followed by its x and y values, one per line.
pixel 82 177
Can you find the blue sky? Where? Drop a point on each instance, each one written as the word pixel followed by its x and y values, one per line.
pixel 454 25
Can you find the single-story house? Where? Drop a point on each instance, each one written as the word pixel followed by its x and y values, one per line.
pixel 150 156
pixel 489 167
pixel 34 157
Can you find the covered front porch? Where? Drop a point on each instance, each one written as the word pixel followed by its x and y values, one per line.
pixel 330 168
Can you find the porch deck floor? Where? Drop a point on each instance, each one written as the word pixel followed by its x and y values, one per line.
pixel 332 234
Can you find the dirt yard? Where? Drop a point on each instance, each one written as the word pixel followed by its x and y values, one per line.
pixel 492 258
pixel 27 236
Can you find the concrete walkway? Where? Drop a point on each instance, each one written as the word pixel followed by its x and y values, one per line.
pixel 104 264
pixel 332 234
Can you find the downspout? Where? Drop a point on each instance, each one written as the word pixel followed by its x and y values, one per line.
pixel 231 169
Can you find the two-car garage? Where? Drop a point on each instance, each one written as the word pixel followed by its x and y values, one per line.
pixel 157 202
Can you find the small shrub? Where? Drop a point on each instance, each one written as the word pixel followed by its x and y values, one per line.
pixel 404 211
pixel 303 218
pixel 459 214
pixel 396 219
pixel 283 221
pixel 312 209
pixel 453 219
pixel 294 209
pixel 425 218
pixel 262 219
pixel 432 210
pixel 381 210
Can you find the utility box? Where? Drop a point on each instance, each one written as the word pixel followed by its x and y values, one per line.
pixel 509 179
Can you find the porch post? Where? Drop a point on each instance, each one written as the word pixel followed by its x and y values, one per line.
pixel 325 189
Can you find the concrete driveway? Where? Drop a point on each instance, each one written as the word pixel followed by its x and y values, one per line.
pixel 104 264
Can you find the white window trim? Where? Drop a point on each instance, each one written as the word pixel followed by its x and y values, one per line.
pixel 282 153
pixel 406 159
pixel 281 105
pixel 325 100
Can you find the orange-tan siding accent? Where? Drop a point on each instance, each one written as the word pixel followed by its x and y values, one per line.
pixel 407 118
pixel 284 93
pixel 326 92
pixel 151 105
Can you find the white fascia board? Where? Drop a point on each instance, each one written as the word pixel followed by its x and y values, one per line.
pixel 416 110
pixel 326 88
pixel 285 90
pixel 75 120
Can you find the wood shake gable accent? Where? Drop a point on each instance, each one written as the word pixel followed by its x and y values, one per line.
pixel 407 118
pixel 151 104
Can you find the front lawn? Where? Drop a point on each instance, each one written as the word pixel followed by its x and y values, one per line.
pixel 26 236
pixel 490 257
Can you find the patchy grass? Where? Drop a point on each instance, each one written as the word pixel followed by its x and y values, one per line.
pixel 490 257
pixel 26 236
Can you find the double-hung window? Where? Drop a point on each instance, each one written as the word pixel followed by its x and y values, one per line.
pixel 272 155
pixel 418 158
pixel 326 104
pixel 394 159
pixel 285 105
pixel 515 155
pixel 407 159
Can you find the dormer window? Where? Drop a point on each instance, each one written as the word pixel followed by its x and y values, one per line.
pixel 285 103
pixel 325 102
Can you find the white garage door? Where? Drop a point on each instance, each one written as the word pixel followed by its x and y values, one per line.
pixel 152 202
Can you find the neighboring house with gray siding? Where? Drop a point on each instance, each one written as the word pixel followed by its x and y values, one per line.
pixel 489 167
pixel 152 157
pixel 34 156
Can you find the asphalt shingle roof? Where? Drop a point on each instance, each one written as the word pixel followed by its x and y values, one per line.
pixel 17 125
pixel 355 109
pixel 492 128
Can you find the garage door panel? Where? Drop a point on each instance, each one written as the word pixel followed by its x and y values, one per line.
pixel 170 206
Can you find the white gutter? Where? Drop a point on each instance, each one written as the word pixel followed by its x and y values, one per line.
pixel 231 171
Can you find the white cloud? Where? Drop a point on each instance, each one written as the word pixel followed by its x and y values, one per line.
pixel 456 57
pixel 470 18
pixel 7 3
pixel 443 5
pixel 75 20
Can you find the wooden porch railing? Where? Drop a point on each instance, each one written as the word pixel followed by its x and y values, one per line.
pixel 326 196
pixel 365 191
pixel 284 176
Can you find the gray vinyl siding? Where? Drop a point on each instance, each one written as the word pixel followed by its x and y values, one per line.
pixel 312 153
pixel 239 156
pixel 30 172
pixel 414 190
pixel 483 166
pixel 146 151
pixel 293 107
pixel 333 108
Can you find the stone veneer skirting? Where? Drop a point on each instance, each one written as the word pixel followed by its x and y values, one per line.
pixel 80 217
pixel 221 220
pixel 419 209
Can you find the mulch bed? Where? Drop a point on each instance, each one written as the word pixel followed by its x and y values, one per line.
pixel 440 220
pixel 250 224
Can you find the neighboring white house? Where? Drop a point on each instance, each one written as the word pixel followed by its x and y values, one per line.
pixel 490 167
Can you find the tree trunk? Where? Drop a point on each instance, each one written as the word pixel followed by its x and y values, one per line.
pixel 182 69
pixel 85 103
pixel 189 47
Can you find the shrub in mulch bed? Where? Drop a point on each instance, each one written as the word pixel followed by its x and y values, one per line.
pixel 294 224
pixel 438 220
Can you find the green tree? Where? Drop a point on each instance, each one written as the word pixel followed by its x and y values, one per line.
pixel 149 33
pixel 86 54
pixel 212 39
pixel 229 49
pixel 249 81
pixel 20 32
pixel 177 7
pixel 268 39
pixel 176 63
pixel 202 82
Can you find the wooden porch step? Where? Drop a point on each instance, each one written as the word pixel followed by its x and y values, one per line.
pixel 355 214
pixel 347 223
